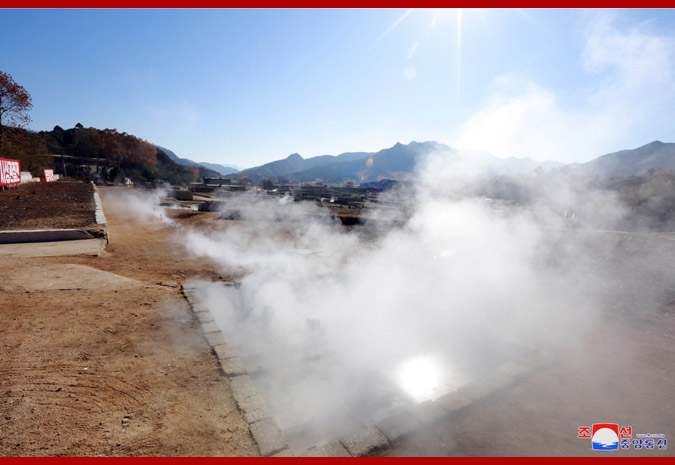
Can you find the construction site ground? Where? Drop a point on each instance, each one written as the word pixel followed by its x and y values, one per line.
pixel 99 358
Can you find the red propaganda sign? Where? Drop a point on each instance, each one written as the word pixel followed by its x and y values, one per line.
pixel 49 175
pixel 10 172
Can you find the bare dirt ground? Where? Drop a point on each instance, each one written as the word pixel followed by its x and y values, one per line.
pixel 94 364
pixel 47 205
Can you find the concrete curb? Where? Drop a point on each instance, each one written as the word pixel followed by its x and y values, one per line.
pixel 43 235
pixel 58 235
pixel 383 434
pixel 262 425
pixel 100 216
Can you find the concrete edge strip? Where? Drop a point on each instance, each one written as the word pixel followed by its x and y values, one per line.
pixel 57 235
pixel 262 425
pixel 43 235
pixel 372 438
pixel 100 216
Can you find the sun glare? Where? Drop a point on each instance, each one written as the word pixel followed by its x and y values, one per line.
pixel 418 377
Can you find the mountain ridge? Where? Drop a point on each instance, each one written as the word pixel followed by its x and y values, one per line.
pixel 399 161
pixel 653 156
pixel 223 170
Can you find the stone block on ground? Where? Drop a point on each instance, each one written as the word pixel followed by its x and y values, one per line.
pixel 199 307
pixel 215 339
pixel 364 441
pixel 249 401
pixel 210 327
pixel 332 449
pixel 242 387
pixel 204 317
pixel 284 453
pixel 268 436
pixel 193 297
pixel 224 351
pixel 453 402
pixel 428 412
pixel 192 286
pixel 398 424
pixel 232 366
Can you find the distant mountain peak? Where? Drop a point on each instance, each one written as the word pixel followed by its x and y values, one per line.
pixel 214 167
pixel 651 157
pixel 399 161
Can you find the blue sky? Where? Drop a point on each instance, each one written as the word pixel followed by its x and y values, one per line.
pixel 245 87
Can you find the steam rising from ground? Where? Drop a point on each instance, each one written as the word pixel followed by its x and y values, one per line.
pixel 426 306
pixel 458 260
pixel 338 328
pixel 143 206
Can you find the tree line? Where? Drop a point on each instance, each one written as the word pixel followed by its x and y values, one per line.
pixel 115 155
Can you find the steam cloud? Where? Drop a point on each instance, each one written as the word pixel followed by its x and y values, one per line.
pixel 630 68
pixel 344 326
pixel 143 206
pixel 466 283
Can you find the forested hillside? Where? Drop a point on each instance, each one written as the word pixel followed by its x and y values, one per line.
pixel 112 155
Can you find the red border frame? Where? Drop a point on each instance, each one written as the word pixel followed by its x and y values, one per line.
pixel 141 4
pixel 238 4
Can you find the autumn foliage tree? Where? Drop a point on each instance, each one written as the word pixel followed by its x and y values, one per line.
pixel 87 143
pixel 144 153
pixel 15 103
pixel 108 148
pixel 31 150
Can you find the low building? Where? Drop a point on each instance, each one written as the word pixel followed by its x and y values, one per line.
pixel 218 181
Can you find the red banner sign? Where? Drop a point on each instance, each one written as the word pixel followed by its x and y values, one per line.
pixel 10 172
pixel 49 175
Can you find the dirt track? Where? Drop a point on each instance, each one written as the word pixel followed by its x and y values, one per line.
pixel 119 369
